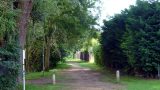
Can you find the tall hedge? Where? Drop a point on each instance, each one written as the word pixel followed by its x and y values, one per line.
pixel 113 31
pixel 131 40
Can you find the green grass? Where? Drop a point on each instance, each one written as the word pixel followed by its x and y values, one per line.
pixel 131 83
pixel 90 65
pixel 72 59
pixel 43 87
pixel 63 66
pixel 37 75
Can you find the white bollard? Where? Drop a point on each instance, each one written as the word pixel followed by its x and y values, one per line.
pixel 118 75
pixel 54 78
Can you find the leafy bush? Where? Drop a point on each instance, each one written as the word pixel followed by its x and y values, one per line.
pixel 34 58
pixel 98 55
pixel 9 56
pixel 9 67
pixel 56 57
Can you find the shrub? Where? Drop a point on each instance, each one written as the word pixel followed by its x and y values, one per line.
pixel 98 55
pixel 9 67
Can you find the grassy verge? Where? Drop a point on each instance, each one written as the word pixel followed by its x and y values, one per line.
pixel 63 66
pixel 131 83
pixel 43 87
pixel 90 65
pixel 38 75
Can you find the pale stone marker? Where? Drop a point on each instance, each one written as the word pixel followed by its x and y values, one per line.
pixel 118 75
pixel 54 78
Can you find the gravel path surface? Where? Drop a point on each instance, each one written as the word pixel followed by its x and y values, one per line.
pixel 80 78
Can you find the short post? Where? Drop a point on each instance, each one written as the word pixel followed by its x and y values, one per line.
pixel 54 79
pixel 118 75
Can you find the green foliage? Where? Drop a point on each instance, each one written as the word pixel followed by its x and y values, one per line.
pixel 7 21
pixel 111 40
pixel 9 64
pixel 56 57
pixel 98 55
pixel 9 67
pixel 59 26
pixel 132 38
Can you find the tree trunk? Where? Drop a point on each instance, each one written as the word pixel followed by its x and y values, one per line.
pixel 47 53
pixel 25 7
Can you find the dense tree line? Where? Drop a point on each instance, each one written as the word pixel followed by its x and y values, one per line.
pixel 57 27
pixel 131 41
pixel 46 29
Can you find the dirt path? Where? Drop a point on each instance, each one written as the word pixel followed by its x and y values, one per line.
pixel 80 78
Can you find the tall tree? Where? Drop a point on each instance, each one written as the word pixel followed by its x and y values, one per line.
pixel 66 18
pixel 25 6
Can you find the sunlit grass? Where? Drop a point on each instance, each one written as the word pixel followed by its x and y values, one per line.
pixel 63 66
pixel 92 66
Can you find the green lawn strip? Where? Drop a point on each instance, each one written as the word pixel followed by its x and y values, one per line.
pixel 89 65
pixel 37 75
pixel 131 83
pixel 47 86
pixel 63 66
pixel 44 87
